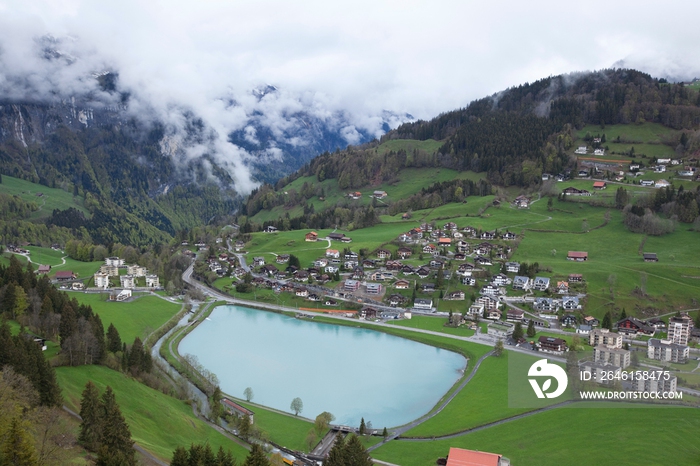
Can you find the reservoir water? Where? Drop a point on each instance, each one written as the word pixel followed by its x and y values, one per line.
pixel 350 372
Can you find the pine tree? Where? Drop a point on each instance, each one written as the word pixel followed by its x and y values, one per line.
pixel 49 390
pixel 336 456
pixel 180 457
pixel 518 331
pixel 531 329
pixel 362 426
pixel 90 412
pixel 607 321
pixel 116 447
pixel 356 454
pixel 18 448
pixel 623 315
pixel 114 341
pixel 256 457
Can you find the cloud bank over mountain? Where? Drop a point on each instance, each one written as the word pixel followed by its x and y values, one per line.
pixel 281 64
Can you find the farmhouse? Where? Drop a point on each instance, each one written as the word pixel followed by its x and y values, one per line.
pixel 551 344
pixel 571 191
pixel 270 229
pixel 634 326
pixel 383 254
pixel 379 194
pixel 63 275
pixel 521 202
pixel 236 409
pixel 43 269
pixel 515 315
pixel 650 257
pixel 336 236
pixel 311 236
pixel 333 253
pixel 579 256
pixel 599 185
pixel 575 278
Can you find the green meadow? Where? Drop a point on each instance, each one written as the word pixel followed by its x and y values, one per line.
pixel 408 182
pixel 135 318
pixel 158 423
pixel 50 198
pixel 647 139
pixel 579 435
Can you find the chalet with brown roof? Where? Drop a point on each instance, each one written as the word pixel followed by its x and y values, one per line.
pixel 600 185
pixel 634 326
pixel 430 249
pixel 551 344
pixel 311 236
pixel 43 269
pixel 404 253
pixel 521 202
pixel 402 284
pixel 445 241
pixel 578 256
pixel 575 278
pixel 383 254
pixel 571 191
pixel 63 275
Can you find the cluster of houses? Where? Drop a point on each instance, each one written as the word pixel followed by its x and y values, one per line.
pixel 110 271
pixel 355 195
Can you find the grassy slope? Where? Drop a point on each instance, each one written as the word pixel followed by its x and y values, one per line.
pixel 647 139
pixel 572 436
pixel 52 198
pixel 158 422
pixel 136 318
pixel 410 181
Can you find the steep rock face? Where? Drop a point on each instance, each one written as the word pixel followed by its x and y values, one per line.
pixel 31 123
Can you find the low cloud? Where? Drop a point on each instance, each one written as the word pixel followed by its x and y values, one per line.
pixel 230 63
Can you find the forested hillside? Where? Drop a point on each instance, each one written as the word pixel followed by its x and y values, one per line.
pixel 130 192
pixel 512 137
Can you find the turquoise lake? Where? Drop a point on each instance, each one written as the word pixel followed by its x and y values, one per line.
pixel 350 372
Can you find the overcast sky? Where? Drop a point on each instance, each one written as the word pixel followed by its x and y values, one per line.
pixel 409 56
pixel 418 57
